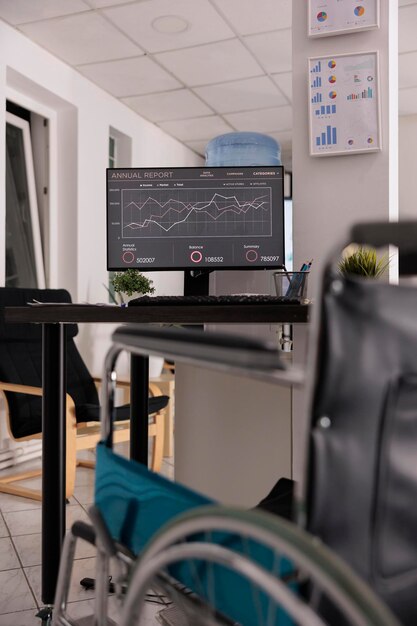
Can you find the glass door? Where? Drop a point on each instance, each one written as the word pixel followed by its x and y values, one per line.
pixel 24 258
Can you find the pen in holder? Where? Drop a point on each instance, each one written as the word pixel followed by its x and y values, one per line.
pixel 291 284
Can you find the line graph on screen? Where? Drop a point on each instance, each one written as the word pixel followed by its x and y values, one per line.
pixel 201 212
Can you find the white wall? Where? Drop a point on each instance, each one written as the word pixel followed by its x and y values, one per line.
pixel 81 115
pixel 408 166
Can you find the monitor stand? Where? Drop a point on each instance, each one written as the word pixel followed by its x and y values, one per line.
pixel 196 282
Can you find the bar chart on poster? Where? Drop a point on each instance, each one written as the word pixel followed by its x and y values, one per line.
pixel 344 104
pixel 328 17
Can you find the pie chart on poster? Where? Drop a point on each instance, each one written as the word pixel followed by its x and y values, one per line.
pixel 322 16
pixel 359 11
pixel 332 64
pixel 332 95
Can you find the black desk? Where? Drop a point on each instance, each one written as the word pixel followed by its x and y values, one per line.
pixel 53 318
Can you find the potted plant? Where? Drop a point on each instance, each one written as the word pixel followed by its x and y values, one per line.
pixel 363 262
pixel 130 283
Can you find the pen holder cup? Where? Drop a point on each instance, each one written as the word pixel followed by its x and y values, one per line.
pixel 291 284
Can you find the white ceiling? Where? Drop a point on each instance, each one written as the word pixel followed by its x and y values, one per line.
pixel 196 68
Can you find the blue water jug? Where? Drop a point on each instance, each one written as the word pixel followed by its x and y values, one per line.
pixel 235 149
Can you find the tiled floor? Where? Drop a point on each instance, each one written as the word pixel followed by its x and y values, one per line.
pixel 20 554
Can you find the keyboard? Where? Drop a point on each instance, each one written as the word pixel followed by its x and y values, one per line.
pixel 211 300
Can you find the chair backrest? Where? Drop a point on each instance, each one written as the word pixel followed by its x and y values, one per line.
pixel 362 478
pixel 21 361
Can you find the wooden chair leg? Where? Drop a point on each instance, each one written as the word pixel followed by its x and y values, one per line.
pixel 71 460
pixel 6 485
pixel 156 430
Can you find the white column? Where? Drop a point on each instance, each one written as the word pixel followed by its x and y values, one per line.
pixel 332 193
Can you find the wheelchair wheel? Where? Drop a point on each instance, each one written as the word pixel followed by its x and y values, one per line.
pixel 225 566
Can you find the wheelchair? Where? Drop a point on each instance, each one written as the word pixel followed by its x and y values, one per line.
pixel 213 565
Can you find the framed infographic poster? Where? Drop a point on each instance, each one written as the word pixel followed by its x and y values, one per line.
pixel 335 17
pixel 344 112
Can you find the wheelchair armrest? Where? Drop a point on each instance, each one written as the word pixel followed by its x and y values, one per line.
pixel 221 351
pixel 400 234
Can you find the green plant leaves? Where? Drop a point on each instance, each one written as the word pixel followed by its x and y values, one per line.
pixel 131 281
pixel 364 262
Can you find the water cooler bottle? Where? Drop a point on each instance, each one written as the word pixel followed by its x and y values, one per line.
pixel 235 149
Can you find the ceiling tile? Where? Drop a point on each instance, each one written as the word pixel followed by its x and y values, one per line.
pixel 284 138
pixel 198 146
pixel 264 120
pixel 284 82
pixel 197 128
pixel 407 28
pixel 242 95
pixel 407 104
pixel 197 23
pixel 130 77
pixel 211 63
pixel 21 11
pixel 256 16
pixel 273 50
pixel 171 105
pixel 407 73
pixel 82 38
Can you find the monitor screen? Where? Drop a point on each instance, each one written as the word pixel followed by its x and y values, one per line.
pixel 195 217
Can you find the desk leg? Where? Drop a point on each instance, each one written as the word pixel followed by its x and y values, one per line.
pixel 53 456
pixel 139 390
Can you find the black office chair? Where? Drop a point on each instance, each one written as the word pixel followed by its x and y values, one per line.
pixel 21 384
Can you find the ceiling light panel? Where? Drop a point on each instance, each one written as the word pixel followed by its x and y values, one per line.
pixel 265 120
pixel 191 23
pixel 82 38
pixel 21 11
pixel 273 50
pixel 256 16
pixel 171 105
pixel 130 77
pixel 212 63
pixel 242 95
pixel 197 128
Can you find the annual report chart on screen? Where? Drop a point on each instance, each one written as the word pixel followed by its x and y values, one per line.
pixel 171 218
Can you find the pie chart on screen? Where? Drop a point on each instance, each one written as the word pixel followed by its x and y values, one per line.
pixel 332 79
pixel 332 95
pixel 332 64
pixel 359 11
pixel 322 16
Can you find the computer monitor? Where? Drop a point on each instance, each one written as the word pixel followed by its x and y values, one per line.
pixel 195 218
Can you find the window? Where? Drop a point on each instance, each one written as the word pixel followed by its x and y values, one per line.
pixel 112 151
pixel 112 163
pixel 24 257
pixel 120 155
